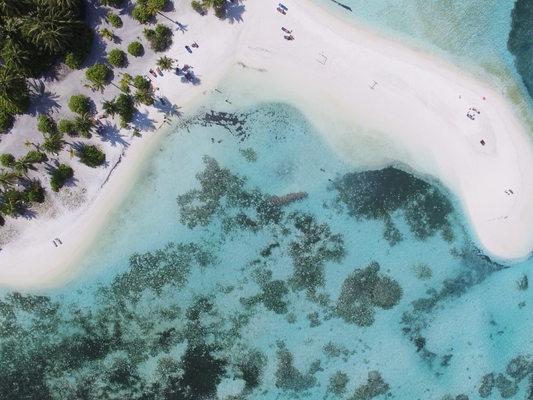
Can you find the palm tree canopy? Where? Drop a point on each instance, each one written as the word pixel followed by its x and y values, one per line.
pixel 83 124
pixel 53 143
pixel 13 8
pixel 8 179
pixel 165 63
pixel 110 107
pixel 13 91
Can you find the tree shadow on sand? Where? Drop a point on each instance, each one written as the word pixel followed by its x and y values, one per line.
pixel 43 101
pixel 111 134
pixel 234 12
pixel 142 122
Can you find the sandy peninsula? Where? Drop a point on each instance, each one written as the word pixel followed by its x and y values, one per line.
pixel 374 101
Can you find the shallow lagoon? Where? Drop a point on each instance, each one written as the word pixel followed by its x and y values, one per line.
pixel 211 282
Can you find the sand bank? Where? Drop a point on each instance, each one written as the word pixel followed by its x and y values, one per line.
pixel 374 101
pixel 378 102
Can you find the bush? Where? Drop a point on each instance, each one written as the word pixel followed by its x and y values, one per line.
pixel 65 127
pixel 220 11
pixel 135 48
pixel 114 20
pixel 140 82
pixel 80 49
pixel 160 38
pixel 6 121
pixel 141 14
pixel 116 58
pixel 59 175
pixel 197 6
pixel 126 107
pixel 157 4
pixel 79 104
pixel 7 160
pixel 13 202
pixel 35 157
pixel 36 193
pixel 92 156
pixel 45 124
pixel 98 73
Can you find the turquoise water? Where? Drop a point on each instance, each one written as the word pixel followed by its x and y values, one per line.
pixel 249 261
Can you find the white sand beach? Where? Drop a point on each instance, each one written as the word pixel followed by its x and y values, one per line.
pixel 375 102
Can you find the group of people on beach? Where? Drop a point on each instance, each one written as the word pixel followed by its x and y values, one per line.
pixel 471 111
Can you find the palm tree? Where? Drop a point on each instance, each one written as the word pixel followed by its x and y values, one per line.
pixel 13 92
pixel 52 29
pixel 15 57
pixel 110 107
pixel 8 179
pixel 84 124
pixel 165 63
pixel 22 165
pixel 144 96
pixel 99 85
pixel 53 143
pixel 72 152
pixel 13 8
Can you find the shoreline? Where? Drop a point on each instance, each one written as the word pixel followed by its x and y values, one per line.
pixel 412 116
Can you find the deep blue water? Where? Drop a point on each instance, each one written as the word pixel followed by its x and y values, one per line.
pixel 249 261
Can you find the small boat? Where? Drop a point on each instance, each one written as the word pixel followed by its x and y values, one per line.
pixel 288 37
pixel 285 30
pixel 188 49
pixel 153 73
pixel 282 6
pixel 159 72
pixel 281 10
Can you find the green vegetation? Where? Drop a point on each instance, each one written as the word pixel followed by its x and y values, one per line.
pixel 197 6
pixel 165 63
pixel 141 82
pixel 144 96
pixel 6 121
pixel 110 107
pixel 218 5
pixel 58 176
pixel 53 143
pixel 14 98
pixel 75 56
pixel 135 49
pixel 33 34
pixel 106 33
pixel 145 9
pixel 160 38
pixel 65 127
pixel 98 74
pixel 125 83
pixel 7 160
pixel 45 124
pixel 126 107
pixel 84 124
pixel 116 58
pixel 114 20
pixel 35 157
pixel 111 3
pixel 35 193
pixel 140 13
pixel 79 104
pixel 92 156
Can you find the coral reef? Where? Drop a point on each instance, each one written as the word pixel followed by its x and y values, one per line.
pixel 364 289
